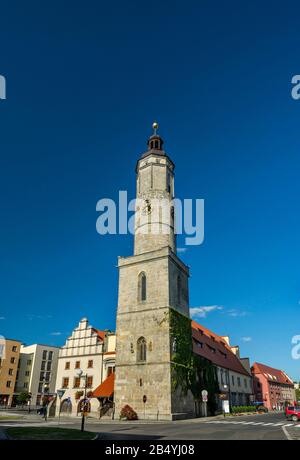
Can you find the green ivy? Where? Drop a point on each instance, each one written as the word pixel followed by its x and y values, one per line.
pixel 190 371
pixel 182 351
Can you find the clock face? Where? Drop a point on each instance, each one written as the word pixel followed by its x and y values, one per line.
pixel 146 209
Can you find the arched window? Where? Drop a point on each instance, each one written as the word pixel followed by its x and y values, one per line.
pixel 141 350
pixel 142 287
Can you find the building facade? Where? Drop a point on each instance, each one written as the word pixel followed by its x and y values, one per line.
pixel 37 371
pixel 152 283
pixel 86 359
pixel 9 360
pixel 234 379
pixel 273 387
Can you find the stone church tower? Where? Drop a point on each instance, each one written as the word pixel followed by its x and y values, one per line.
pixel 151 283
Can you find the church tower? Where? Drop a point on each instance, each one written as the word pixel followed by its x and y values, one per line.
pixel 152 283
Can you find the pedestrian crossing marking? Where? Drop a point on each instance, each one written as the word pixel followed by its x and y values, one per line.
pixel 254 423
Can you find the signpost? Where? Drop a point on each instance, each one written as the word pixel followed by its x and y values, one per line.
pixel 204 394
pixel 60 394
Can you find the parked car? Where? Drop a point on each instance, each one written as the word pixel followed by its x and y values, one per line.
pixel 293 413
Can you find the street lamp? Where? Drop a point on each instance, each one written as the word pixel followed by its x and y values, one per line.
pixel 80 375
pixel 45 393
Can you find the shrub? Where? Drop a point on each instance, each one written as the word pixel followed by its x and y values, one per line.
pixel 128 413
pixel 240 409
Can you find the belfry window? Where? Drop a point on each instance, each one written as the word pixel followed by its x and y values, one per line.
pixel 142 287
pixel 141 350
pixel 168 182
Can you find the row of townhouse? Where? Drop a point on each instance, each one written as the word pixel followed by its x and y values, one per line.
pixel 73 371
pixel 83 369
pixel 233 373
pixel 273 386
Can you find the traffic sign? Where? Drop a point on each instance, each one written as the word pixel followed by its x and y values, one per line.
pixel 204 394
pixel 61 393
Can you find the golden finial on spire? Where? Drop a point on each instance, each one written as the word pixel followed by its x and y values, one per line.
pixel 155 127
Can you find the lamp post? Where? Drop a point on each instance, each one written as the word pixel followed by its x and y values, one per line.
pixel 45 391
pixel 80 375
pixel 29 402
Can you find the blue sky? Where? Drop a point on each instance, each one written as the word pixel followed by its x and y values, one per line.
pixel 84 83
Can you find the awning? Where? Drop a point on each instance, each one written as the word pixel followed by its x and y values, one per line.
pixel 106 389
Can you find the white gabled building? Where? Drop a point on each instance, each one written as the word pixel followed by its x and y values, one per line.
pixel 92 352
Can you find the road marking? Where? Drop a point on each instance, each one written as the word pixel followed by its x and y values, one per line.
pixel 288 436
pixel 282 424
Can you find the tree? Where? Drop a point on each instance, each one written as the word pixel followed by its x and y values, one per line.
pixel 23 398
pixel 298 395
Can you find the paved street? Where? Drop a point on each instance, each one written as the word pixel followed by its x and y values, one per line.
pixel 253 427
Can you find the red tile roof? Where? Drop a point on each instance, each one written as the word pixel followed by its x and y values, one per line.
pixel 214 348
pixel 101 334
pixel 106 389
pixel 271 374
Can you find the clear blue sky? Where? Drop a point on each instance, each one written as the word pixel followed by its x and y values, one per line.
pixel 84 83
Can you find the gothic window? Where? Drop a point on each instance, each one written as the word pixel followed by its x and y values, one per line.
pixel 141 350
pixel 142 287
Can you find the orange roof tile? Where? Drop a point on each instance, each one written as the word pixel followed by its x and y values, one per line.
pixel 106 389
pixel 271 374
pixel 215 349
pixel 101 334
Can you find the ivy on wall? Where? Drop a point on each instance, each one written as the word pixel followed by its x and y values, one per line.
pixel 190 371
pixel 182 351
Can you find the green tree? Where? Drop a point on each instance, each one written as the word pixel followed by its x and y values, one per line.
pixel 23 398
pixel 298 395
